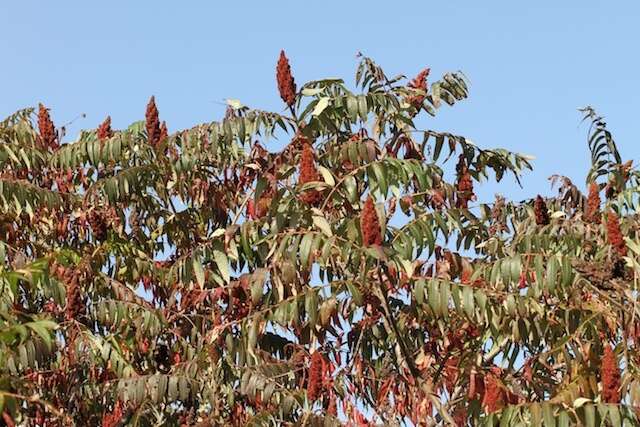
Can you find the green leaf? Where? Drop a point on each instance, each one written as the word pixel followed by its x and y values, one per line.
pixel 199 271
pixel 536 414
pixel 305 250
pixel 256 291
pixel 468 301
pixel 327 176
pixel 563 419
pixel 311 307
pixel 323 225
pixel 311 91
pixel 438 146
pixel 43 328
pixel 352 107
pixel 434 296
pixel 322 104
pixel 590 415
pixel 547 415
pixel 445 294
pixel 381 178
pixel 505 416
pixel 356 295
pixel 580 402
pixel 223 264
pixel 614 415
pixel 419 291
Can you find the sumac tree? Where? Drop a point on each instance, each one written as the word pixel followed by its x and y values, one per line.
pixel 352 277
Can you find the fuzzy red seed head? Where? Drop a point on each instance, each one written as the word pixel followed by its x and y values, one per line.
pixel 104 130
pixel 48 136
pixel 610 373
pixel 420 83
pixel 251 209
pixel 286 84
pixel 460 416
pixel 370 225
pixel 113 418
pixel 263 205
pixel 592 213
pixel 437 199
pixel 541 212
pixel 299 142
pixel 152 123
pixel 464 184
pixel 75 302
pixel 465 275
pixel 309 173
pixel 332 409
pixel 614 235
pixel 164 132
pixel 316 374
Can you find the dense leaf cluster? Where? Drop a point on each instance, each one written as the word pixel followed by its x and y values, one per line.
pixel 197 278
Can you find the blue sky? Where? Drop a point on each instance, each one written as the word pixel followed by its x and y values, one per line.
pixel 531 65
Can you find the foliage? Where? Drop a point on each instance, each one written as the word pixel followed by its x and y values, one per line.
pixel 196 278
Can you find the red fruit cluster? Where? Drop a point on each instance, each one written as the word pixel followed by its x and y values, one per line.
pixel 460 416
pixel 104 130
pixel 498 224
pixel 541 212
pixel 260 209
pixel 465 275
pixel 592 213
pixel 48 136
pixel 75 302
pixel 464 184
pixel 614 234
pixel 419 83
pixel 437 199
pixel 610 373
pixel 251 209
pixel 286 84
pixel 7 229
pixel 316 375
pixel 332 408
pixel 113 418
pixel 309 173
pixel 369 224
pixel 263 204
pixel 164 132
pixel 62 225
pixel 152 123
pixel 98 223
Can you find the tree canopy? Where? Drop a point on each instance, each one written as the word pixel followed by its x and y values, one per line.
pixel 351 277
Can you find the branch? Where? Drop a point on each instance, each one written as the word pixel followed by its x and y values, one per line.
pixel 403 355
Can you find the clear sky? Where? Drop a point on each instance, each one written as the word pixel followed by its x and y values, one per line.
pixel 531 64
